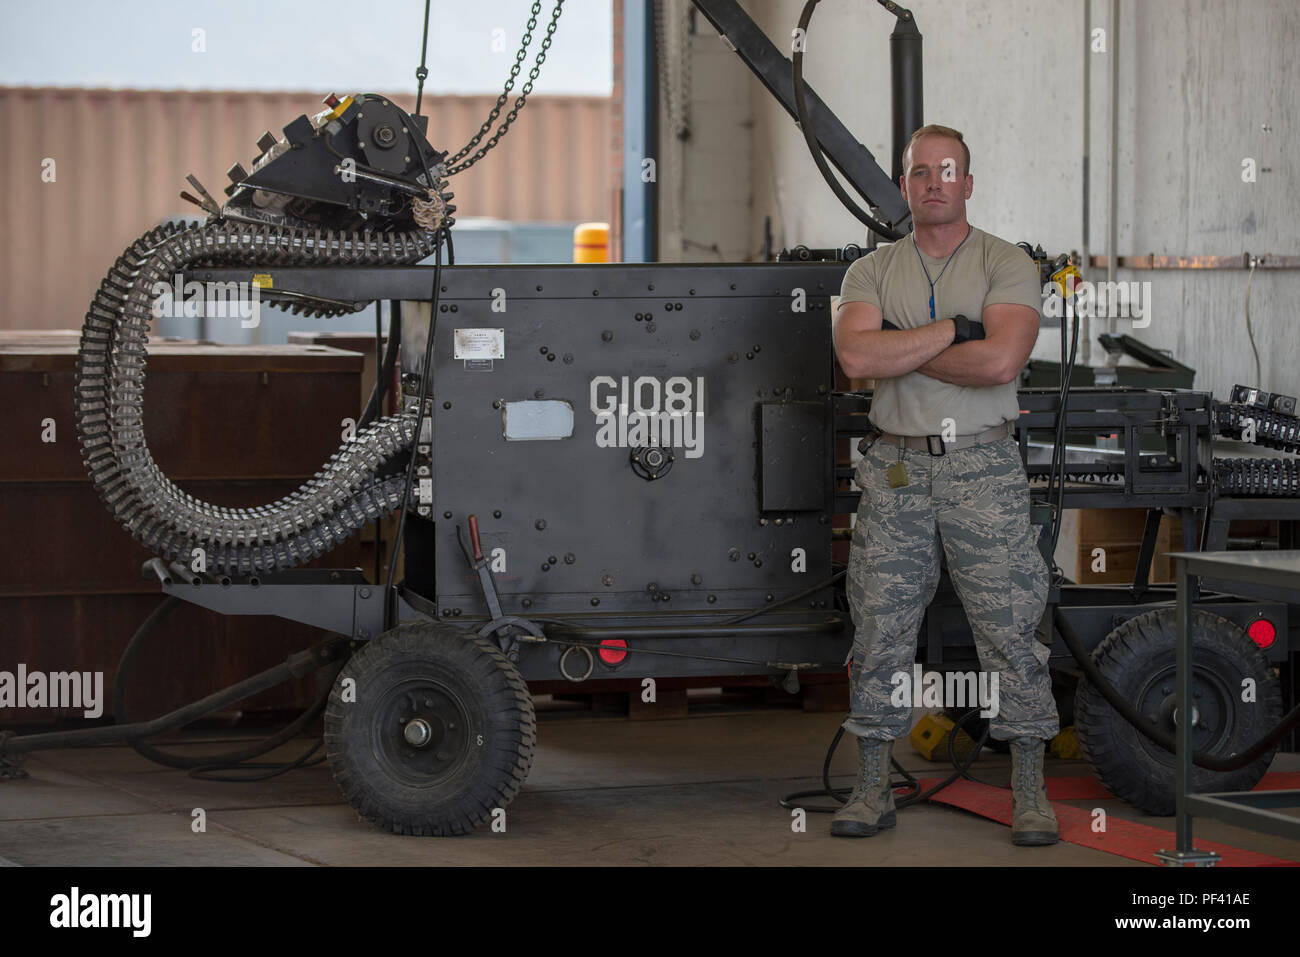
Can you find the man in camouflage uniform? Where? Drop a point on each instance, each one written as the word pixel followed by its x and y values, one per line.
pixel 945 472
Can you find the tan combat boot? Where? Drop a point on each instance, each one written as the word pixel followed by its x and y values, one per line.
pixel 871 805
pixel 1033 822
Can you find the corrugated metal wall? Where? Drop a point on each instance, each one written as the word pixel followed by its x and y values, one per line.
pixel 120 158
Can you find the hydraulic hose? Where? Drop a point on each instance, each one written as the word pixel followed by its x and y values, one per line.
pixel 295 666
pixel 916 797
pixel 200 766
pixel 384 373
pixel 815 148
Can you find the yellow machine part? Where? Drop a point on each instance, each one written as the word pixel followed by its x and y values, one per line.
pixel 340 109
pixel 1066 745
pixel 1066 279
pixel 930 738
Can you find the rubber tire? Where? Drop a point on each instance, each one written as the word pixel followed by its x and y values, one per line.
pixel 1129 764
pixel 497 707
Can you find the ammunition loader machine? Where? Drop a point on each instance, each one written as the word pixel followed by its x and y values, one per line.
pixel 631 471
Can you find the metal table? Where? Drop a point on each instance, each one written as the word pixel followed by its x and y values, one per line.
pixel 1278 570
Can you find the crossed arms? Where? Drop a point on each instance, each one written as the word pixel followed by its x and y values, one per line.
pixel 868 351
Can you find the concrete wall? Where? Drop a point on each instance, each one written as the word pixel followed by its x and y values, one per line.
pixel 705 179
pixel 1199 82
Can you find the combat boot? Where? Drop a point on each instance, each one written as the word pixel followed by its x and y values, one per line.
pixel 871 805
pixel 1033 821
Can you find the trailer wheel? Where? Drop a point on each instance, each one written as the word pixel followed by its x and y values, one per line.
pixel 1138 659
pixel 429 730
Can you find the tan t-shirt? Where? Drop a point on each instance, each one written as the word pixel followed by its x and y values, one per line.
pixel 984 271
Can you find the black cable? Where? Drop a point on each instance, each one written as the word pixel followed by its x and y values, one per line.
pixel 784 601
pixel 265 770
pixel 377 391
pixel 815 148
pixel 426 377
pixel 442 235
pixel 379 383
pixel 1067 374
pixel 960 725
pixel 422 71
pixel 841 794
pixel 208 763
pixel 375 404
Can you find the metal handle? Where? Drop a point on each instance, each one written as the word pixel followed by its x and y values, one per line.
pixel 473 537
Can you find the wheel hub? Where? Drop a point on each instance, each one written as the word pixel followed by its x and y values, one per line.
pixel 1211 708
pixel 417 733
pixel 423 732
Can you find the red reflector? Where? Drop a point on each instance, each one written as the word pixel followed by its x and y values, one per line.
pixel 1262 632
pixel 612 651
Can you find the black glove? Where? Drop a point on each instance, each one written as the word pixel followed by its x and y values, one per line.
pixel 967 329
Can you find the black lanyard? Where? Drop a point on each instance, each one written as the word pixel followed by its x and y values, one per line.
pixel 969 230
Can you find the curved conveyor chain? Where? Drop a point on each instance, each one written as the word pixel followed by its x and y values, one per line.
pixel 336 502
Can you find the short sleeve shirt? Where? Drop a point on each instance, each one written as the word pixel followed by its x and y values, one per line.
pixel 984 271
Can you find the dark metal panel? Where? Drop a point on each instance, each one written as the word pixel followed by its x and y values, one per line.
pixel 579 525
pixel 793 456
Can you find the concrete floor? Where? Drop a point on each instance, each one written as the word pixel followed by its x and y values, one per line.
pixel 603 790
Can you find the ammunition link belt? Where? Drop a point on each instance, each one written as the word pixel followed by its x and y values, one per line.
pixel 1274 478
pixel 1275 430
pixel 340 499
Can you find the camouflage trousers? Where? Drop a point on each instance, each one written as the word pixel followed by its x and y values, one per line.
pixel 974 503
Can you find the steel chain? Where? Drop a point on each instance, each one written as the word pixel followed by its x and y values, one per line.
pixel 452 168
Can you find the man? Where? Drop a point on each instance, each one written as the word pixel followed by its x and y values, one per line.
pixel 944 320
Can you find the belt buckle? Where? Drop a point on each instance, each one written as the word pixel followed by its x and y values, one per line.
pixel 929 445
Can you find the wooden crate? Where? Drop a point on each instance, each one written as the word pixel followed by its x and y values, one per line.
pixel 1119 532
pixel 364 345
pixel 235 425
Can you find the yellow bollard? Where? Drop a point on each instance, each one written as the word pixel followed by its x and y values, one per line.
pixel 591 243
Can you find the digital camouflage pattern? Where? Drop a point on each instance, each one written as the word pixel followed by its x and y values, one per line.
pixel 974 503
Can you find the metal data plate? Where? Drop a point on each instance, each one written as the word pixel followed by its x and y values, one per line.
pixel 479 343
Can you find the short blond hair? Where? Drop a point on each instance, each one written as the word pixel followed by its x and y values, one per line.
pixel 935 129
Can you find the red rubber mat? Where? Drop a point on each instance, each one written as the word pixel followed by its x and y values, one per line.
pixel 1137 842
pixel 1080 788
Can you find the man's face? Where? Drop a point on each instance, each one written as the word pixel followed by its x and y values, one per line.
pixel 933 182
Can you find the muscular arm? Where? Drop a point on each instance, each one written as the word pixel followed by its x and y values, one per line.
pixel 1010 332
pixel 866 351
